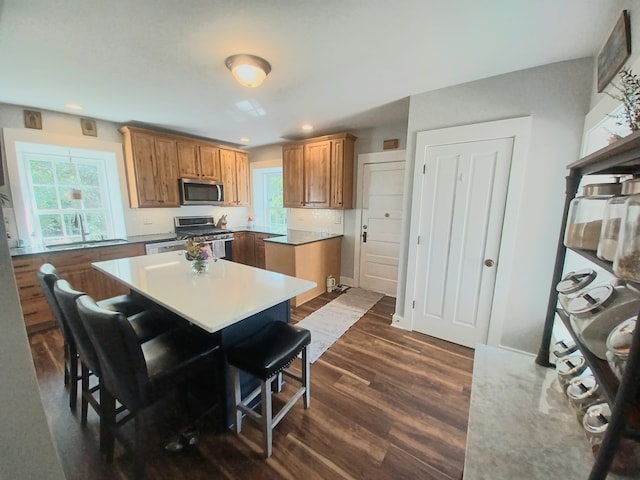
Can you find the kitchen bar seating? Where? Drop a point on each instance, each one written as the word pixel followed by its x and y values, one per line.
pixel 266 355
pixel 47 277
pixel 138 375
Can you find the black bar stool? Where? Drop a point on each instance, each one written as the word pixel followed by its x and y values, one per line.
pixel 266 355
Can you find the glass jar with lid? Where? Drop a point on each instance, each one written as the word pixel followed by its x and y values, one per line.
pixel 597 310
pixel 573 283
pixel 583 392
pixel 584 220
pixel 626 263
pixel 568 368
pixel 595 423
pixel 612 220
pixel 619 346
pixel 563 348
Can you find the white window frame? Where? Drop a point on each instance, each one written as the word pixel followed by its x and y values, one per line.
pixel 17 141
pixel 260 201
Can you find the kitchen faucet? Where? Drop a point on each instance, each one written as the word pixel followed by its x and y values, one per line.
pixel 79 222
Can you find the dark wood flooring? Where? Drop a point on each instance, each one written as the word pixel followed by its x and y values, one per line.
pixel 385 404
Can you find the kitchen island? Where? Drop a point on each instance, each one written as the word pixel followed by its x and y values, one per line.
pixel 230 302
pixel 309 255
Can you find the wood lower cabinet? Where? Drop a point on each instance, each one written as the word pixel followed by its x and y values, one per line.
pixel 318 173
pixel 311 261
pixel 249 249
pixel 74 266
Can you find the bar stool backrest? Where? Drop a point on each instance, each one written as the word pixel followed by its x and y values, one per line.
pixel 124 370
pixel 47 277
pixel 66 297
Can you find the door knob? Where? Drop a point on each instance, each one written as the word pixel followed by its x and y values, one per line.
pixel 489 263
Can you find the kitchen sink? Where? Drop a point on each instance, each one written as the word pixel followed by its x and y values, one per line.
pixel 87 244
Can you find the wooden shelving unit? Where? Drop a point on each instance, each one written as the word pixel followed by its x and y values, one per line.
pixel 622 157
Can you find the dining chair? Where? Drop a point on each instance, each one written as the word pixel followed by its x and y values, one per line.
pixel 139 374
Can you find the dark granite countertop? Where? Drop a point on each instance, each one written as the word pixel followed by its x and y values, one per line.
pixel 158 237
pixel 300 237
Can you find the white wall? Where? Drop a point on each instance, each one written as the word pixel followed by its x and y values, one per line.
pixel 557 98
pixel 141 221
pixel 26 447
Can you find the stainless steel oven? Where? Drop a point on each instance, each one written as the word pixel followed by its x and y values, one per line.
pixel 203 229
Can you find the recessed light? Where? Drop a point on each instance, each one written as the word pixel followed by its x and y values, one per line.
pixel 307 127
pixel 74 106
pixel 245 139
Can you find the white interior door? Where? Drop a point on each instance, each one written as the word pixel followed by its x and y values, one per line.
pixel 382 193
pixel 463 196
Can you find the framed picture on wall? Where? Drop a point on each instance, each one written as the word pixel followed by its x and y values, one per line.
pixel 615 51
pixel 32 119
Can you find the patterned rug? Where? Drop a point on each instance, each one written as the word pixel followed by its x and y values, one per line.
pixel 330 322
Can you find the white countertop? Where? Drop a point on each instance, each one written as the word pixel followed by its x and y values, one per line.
pixel 227 293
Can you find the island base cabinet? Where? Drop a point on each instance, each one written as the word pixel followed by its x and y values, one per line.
pixel 311 261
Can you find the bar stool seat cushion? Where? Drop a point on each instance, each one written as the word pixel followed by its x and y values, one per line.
pixel 270 350
pixel 121 303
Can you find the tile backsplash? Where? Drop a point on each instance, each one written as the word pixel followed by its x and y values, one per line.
pixel 316 220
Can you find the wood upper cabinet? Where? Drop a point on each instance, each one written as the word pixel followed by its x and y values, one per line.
pixel 292 175
pixel 156 160
pixel 318 173
pixel 152 169
pixel 234 167
pixel 209 162
pixel 199 161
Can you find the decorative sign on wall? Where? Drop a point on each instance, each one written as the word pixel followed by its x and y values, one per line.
pixel 390 144
pixel 32 119
pixel 89 127
pixel 615 51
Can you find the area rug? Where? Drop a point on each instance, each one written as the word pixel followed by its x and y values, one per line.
pixel 330 322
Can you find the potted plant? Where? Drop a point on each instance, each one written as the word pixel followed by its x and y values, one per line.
pixel 628 92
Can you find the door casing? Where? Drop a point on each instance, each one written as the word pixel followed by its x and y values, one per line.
pixel 520 130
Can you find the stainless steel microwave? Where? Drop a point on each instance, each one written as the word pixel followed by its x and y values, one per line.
pixel 201 192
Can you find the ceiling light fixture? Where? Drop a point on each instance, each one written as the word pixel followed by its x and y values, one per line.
pixel 245 139
pixel 249 70
pixel 307 127
pixel 73 106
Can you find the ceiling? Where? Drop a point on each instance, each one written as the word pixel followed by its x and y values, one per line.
pixel 338 64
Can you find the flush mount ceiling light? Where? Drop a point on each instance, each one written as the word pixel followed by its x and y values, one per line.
pixel 249 70
pixel 307 127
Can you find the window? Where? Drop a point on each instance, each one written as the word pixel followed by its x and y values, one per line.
pixel 63 194
pixel 268 197
pixel 68 198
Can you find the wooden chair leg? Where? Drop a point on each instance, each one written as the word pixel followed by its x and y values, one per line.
pixel 237 397
pixel 306 378
pixel 267 421
pixel 140 455
pixel 67 361
pixel 107 422
pixel 84 392
pixel 73 377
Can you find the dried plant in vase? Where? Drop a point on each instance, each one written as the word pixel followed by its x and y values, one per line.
pixel 628 92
